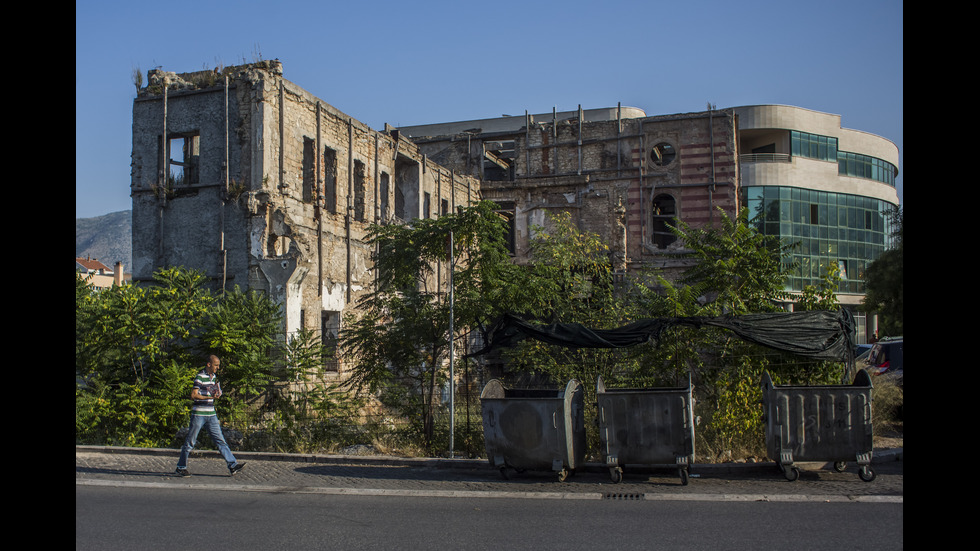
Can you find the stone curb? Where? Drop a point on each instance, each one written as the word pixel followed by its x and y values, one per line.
pixel 878 456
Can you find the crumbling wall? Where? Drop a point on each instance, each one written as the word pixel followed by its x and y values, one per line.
pixel 284 190
pixel 625 180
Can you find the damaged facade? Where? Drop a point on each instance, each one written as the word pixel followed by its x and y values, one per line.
pixel 621 174
pixel 626 176
pixel 249 178
pixel 270 188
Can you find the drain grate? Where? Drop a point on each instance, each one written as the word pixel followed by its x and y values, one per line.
pixel 623 496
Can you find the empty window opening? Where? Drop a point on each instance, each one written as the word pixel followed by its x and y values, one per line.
pixel 498 160
pixel 663 154
pixel 330 180
pixel 444 209
pixel 426 206
pixel 359 191
pixel 385 191
pixel 309 170
pixel 329 333
pixel 664 217
pixel 183 157
pixel 406 189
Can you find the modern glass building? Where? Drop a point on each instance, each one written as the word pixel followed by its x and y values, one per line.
pixel 829 190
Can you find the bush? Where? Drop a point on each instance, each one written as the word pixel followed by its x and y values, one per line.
pixel 887 401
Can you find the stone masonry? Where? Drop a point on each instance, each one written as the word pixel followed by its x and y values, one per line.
pixel 622 178
pixel 247 177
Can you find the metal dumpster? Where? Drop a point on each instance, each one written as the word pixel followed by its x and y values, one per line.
pixel 534 429
pixel 819 423
pixel 646 426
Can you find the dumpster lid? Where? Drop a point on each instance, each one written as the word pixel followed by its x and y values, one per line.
pixel 495 389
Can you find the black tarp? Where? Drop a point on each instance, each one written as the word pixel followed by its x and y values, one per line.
pixel 819 334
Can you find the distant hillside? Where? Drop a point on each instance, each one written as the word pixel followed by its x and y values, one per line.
pixel 107 238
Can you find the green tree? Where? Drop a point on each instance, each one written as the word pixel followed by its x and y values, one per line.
pixel 570 278
pixel 129 341
pixel 244 328
pixel 398 343
pixel 822 296
pixel 736 270
pixel 884 282
pixel 137 348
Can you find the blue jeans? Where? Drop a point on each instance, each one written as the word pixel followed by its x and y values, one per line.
pixel 214 429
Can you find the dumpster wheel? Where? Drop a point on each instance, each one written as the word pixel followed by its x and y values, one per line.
pixel 684 476
pixel 564 474
pixel 791 473
pixel 867 474
pixel 839 466
pixel 616 474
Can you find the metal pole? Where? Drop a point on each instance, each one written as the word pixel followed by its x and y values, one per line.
pixel 318 201
pixel 711 149
pixel 579 139
pixel 224 200
pixel 554 138
pixel 619 135
pixel 162 191
pixel 347 215
pixel 527 145
pixel 452 348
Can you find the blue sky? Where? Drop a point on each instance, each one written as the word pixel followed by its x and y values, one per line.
pixel 407 63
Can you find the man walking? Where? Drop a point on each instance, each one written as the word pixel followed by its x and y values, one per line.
pixel 206 389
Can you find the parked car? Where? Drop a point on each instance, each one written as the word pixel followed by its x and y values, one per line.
pixel 861 352
pixel 886 356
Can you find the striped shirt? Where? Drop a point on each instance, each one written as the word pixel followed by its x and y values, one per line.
pixel 206 385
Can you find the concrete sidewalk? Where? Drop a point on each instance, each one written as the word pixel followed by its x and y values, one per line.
pixel 434 477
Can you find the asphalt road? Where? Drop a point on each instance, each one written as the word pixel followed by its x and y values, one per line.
pixel 130 499
pixel 125 518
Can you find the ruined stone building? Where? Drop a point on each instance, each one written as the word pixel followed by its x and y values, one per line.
pixel 620 173
pixel 249 178
pixel 246 176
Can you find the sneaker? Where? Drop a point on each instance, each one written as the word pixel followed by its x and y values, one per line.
pixel 236 467
pixel 182 472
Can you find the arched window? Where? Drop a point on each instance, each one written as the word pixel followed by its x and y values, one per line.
pixel 664 213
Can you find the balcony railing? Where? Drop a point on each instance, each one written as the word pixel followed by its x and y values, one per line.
pixel 764 158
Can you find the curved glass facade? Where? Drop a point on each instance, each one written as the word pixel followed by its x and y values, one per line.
pixel 863 166
pixel 830 228
pixel 825 148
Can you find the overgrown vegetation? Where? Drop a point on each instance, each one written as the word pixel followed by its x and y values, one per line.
pixel 397 344
pixel 735 271
pixel 138 347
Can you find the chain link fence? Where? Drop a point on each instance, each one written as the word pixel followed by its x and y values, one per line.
pixel 306 418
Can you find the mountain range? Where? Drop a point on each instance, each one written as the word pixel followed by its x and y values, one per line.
pixel 107 238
